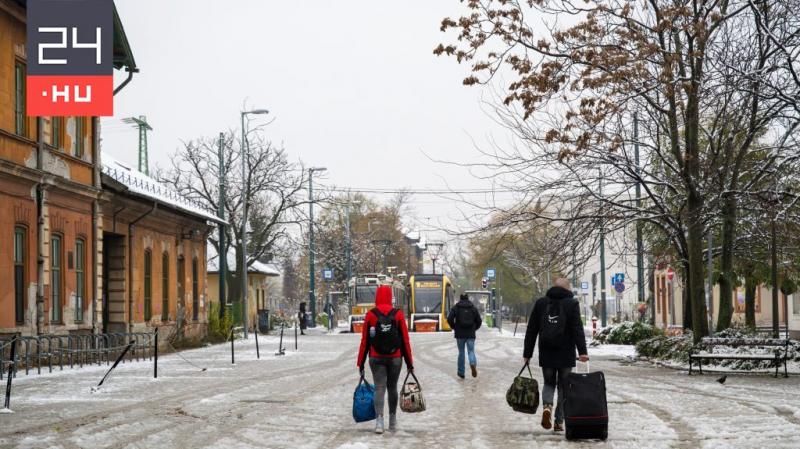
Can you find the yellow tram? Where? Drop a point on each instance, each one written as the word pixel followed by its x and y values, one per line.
pixel 362 289
pixel 432 296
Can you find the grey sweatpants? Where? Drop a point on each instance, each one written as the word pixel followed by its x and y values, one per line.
pixel 385 373
pixel 554 378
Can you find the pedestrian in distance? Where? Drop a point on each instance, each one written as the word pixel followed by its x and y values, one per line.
pixel 556 322
pixel 301 318
pixel 465 319
pixel 384 339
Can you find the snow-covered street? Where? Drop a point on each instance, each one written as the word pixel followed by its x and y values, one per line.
pixel 303 400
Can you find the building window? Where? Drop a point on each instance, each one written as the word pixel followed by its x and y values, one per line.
pixel 19 99
pixel 165 287
pixel 19 274
pixel 148 285
pixel 195 291
pixel 796 304
pixel 56 138
pixel 77 149
pixel 56 287
pixel 80 278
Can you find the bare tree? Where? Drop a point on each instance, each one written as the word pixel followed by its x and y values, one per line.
pixel 697 73
pixel 271 189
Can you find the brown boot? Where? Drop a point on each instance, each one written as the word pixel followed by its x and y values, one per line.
pixel 474 369
pixel 547 413
pixel 558 427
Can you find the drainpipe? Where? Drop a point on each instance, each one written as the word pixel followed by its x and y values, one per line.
pixel 40 228
pixel 95 216
pixel 130 264
pixel 124 83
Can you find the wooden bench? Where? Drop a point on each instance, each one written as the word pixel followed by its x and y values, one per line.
pixel 779 353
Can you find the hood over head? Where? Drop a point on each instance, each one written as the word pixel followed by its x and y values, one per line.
pixel 383 298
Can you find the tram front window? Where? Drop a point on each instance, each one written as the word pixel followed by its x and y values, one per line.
pixel 366 294
pixel 428 299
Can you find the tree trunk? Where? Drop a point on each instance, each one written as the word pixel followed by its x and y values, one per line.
pixel 686 299
pixel 726 265
pixel 696 271
pixel 750 302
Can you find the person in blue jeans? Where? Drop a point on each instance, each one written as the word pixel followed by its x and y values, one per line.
pixel 465 319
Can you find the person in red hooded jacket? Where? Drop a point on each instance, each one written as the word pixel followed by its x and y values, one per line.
pixel 384 337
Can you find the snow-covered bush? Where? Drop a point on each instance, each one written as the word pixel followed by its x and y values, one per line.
pixel 675 348
pixel 678 348
pixel 626 333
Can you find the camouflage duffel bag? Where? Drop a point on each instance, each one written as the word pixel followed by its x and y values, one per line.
pixel 523 394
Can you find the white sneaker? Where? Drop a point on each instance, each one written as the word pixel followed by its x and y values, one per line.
pixel 379 425
pixel 392 422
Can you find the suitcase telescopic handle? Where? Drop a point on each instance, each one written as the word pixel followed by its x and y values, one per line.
pixel 587 366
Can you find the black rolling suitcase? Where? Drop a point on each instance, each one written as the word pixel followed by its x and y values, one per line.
pixel 585 406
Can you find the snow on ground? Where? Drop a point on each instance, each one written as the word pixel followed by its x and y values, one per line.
pixel 613 351
pixel 304 399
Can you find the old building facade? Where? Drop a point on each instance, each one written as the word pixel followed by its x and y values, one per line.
pixel 49 187
pixel 87 244
pixel 154 256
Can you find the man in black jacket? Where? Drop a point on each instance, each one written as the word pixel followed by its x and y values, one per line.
pixel 465 319
pixel 556 322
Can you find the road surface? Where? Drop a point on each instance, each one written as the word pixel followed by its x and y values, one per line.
pixel 303 400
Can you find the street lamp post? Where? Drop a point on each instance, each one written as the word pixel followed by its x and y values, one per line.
pixel 222 253
pixel 312 294
pixel 246 200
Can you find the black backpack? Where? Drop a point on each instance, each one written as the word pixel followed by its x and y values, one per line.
pixel 465 318
pixel 387 339
pixel 553 325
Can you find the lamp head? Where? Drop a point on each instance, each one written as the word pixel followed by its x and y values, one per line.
pixel 256 111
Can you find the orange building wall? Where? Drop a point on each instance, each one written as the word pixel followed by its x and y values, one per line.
pixel 19 209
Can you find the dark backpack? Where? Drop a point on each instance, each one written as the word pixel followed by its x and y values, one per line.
pixel 465 318
pixel 387 339
pixel 553 325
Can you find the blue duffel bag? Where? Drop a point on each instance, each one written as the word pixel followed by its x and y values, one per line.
pixel 364 401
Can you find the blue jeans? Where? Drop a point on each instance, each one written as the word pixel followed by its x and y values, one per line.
pixel 470 343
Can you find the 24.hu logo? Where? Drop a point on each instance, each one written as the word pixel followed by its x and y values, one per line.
pixel 70 58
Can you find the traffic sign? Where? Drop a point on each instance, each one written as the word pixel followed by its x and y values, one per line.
pixel 670 273
pixel 490 274
pixel 619 287
pixel 327 274
pixel 585 287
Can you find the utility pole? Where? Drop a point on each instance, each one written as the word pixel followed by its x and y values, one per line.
pixel 603 321
pixel 312 293
pixel 348 250
pixel 639 249
pixel 574 272
pixel 222 253
pixel 141 124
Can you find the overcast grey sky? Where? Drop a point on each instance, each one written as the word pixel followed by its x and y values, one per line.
pixel 353 85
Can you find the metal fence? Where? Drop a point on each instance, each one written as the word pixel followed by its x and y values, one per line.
pixel 36 352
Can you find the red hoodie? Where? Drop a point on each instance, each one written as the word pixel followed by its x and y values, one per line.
pixel 383 302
